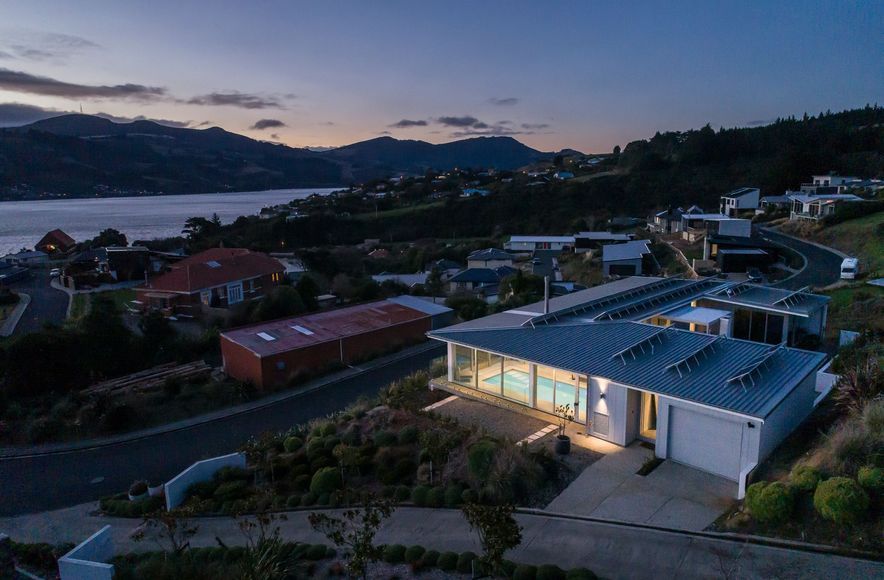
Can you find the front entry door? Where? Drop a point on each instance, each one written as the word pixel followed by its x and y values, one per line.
pixel 650 403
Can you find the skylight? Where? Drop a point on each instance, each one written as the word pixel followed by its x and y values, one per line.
pixel 303 330
pixel 213 264
pixel 266 336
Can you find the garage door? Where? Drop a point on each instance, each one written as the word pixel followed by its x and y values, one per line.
pixel 704 441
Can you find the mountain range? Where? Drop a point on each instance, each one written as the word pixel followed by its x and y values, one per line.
pixel 73 153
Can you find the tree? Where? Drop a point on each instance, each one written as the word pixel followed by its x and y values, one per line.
pixel 616 149
pixel 156 332
pixel 171 530
pixel 108 237
pixel 438 444
pixel 354 532
pixel 266 557
pixel 497 528
pixel 282 301
pixel 434 286
pixel 342 286
pixel 197 227
pixel 309 290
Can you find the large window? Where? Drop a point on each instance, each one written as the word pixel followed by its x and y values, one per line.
pixel 490 368
pixel 464 366
pixel 516 381
pixel 546 381
pixel 758 326
pixel 557 387
pixel 234 293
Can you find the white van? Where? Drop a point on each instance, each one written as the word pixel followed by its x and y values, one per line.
pixel 849 268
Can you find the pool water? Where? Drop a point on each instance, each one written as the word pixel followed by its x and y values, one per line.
pixel 516 386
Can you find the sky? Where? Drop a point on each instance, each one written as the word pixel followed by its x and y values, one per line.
pixel 585 75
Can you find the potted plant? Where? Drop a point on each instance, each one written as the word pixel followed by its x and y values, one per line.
pixel 156 490
pixel 138 490
pixel 565 415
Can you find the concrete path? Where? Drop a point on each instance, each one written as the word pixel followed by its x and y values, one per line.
pixel 611 550
pixel 672 496
pixel 8 326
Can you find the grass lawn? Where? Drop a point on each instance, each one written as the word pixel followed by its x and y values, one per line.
pixel 79 306
pixel 862 237
pixel 854 308
pixel 121 297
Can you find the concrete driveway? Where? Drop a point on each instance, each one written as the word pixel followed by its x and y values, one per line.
pixel 672 495
pixel 47 306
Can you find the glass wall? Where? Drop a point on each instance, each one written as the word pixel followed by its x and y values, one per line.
pixel 580 415
pixel 516 381
pixel 758 326
pixel 546 380
pixel 464 366
pixel 489 368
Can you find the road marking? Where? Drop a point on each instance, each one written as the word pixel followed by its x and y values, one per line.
pixel 535 436
pixel 438 404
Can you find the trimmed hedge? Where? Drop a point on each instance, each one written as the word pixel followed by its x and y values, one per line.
pixel 769 502
pixel 414 554
pixel 430 558
pixel 525 572
pixel 394 553
pixel 453 496
pixel 292 444
pixel 550 572
pixel 403 493
pixel 419 495
pixel 447 561
pixel 871 478
pixel 805 477
pixel 840 500
pixel 436 497
pixel 465 562
pixel 325 481
pixel 384 439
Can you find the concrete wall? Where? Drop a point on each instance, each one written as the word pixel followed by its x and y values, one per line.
pixel 787 415
pixel 610 408
pixel 87 560
pixel 199 471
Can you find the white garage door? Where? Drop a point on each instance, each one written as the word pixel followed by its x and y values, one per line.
pixel 704 441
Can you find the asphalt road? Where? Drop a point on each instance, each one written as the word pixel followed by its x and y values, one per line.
pixel 823 267
pixel 48 305
pixel 46 482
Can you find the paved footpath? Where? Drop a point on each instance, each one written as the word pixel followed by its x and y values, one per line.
pixel 611 550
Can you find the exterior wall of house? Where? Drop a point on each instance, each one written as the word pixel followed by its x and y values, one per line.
pixel 488 263
pixel 608 402
pixel 787 416
pixel 616 264
pixel 241 363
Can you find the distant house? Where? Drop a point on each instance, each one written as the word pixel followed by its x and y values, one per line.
pixel 219 278
pixel 379 253
pixel 27 258
pixel 695 226
pixel 624 259
pixel 529 244
pixel 669 221
pixel 55 241
pixel 828 184
pixel 737 253
pixel 10 273
pixel 447 268
pixel 473 279
pixel 117 264
pixel 489 258
pixel 745 198
pixel 586 241
pixel 409 280
pixel 563 175
pixel 816 207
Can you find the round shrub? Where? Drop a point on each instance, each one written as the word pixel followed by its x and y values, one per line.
pixel 769 502
pixel 408 435
pixel 436 497
pixel 468 496
pixel 323 499
pixel 331 443
pixel 388 491
pixel 453 494
pixel 465 562
pixel 581 574
pixel 805 477
pixel 430 558
pixel 841 500
pixel 302 482
pixel 328 429
pixel 403 493
pixel 292 444
pixel 394 553
pixel 550 572
pixel 231 490
pixel 447 561
pixel 315 552
pixel 384 439
pixel 308 499
pixel 325 481
pixel 414 553
pixel 316 448
pixel 480 458
pixel 525 572
pixel 231 473
pixel 419 495
pixel 871 478
pixel 293 501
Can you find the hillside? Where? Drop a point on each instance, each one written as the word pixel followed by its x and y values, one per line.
pixel 862 238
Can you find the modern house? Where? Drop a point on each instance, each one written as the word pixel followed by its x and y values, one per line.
pixel 55 242
pixel 489 258
pixel 281 351
pixel 527 244
pixel 737 253
pixel 587 241
pixel 110 264
pixel 211 281
pixel 742 199
pixel 639 359
pixel 624 259
pixel 827 184
pixel 695 226
pixel 816 207
pixel 670 221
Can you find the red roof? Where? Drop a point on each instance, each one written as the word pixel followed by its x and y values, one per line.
pixel 320 327
pixel 215 267
pixel 56 238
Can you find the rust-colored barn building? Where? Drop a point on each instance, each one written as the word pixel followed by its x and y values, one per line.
pixel 275 353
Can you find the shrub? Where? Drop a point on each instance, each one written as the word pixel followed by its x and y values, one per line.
pixel 871 478
pixel 430 558
pixel 581 574
pixel 384 439
pixel 394 553
pixel 316 448
pixel 403 492
pixel 769 502
pixel 841 500
pixel 231 490
pixel 302 482
pixel 408 435
pixel 325 481
pixel 315 552
pixel 480 458
pixel 804 477
pixel 468 496
pixel 550 572
pixel 231 473
pixel 465 562
pixel 453 495
pixel 138 488
pixel 329 429
pixel 292 444
pixel 419 495
pixel 507 567
pixel 308 499
pixel 323 499
pixel 436 497
pixel 331 443
pixel 447 561
pixel 414 553
pixel 293 501
pixel 525 572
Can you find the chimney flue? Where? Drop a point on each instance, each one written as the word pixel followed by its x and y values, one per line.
pixel 546 294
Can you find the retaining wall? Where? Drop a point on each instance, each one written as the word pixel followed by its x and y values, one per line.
pixel 87 560
pixel 199 471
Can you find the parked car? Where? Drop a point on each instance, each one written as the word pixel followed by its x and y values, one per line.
pixel 849 268
pixel 755 276
pixel 55 272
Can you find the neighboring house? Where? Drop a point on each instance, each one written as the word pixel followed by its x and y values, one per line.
pixel 55 241
pixel 447 268
pixel 563 175
pixel 698 397
pixel 586 241
pixel 816 207
pixel 214 280
pixel 527 244
pixel 473 279
pixel 745 198
pixel 409 280
pixel 775 202
pixel 624 259
pixel 737 253
pixel 10 273
pixel 282 351
pixel 489 258
pixel 27 258
pixel 695 226
pixel 379 253
pixel 670 221
pixel 827 184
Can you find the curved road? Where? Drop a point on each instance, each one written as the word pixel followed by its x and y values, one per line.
pixel 55 480
pixel 823 265
pixel 48 305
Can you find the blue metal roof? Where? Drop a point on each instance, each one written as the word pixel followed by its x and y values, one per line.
pixel 799 303
pixel 699 368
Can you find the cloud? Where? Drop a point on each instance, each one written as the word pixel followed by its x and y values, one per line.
pixel 274 136
pixel 503 102
pixel 236 99
pixel 4 54
pixel 406 123
pixel 22 82
pixel 535 126
pixel 35 45
pixel 18 114
pixel 267 124
pixel 464 121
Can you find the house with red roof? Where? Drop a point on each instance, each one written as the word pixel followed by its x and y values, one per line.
pixel 54 242
pixel 211 281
